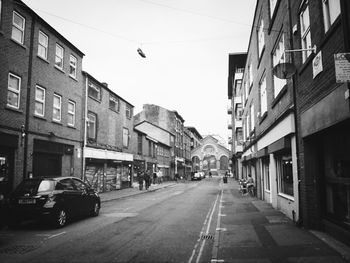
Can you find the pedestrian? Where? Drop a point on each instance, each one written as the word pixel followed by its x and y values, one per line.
pixel 140 179
pixel 154 177
pixel 210 174
pixel 147 179
pixel 250 184
pixel 159 176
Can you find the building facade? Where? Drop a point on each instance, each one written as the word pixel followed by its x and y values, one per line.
pixel 236 68
pixel 172 122
pixel 270 147
pixel 323 113
pixel 108 151
pixel 212 156
pixel 40 98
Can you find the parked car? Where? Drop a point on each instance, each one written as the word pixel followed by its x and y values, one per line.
pixel 196 176
pixel 55 199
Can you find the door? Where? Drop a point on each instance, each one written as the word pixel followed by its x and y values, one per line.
pixel 47 165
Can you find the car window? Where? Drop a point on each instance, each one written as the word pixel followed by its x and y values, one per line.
pixel 34 186
pixel 80 185
pixel 45 186
pixel 65 184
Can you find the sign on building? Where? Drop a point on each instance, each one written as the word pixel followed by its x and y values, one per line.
pixel 342 67
pixel 317 66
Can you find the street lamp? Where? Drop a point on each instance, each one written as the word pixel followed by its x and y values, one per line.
pixel 141 53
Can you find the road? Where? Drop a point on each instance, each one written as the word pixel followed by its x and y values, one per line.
pixel 204 221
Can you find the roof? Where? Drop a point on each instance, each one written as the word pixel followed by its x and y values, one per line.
pixel 235 60
pixel 194 131
pixel 105 87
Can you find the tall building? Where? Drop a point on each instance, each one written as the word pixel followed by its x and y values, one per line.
pixel 108 150
pixel 323 108
pixel 236 66
pixel 268 115
pixel 40 98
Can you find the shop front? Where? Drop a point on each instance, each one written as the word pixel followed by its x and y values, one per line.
pixel 108 170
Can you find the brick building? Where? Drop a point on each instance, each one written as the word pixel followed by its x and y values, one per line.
pixel 40 98
pixel 108 150
pixel 172 122
pixel 270 148
pixel 236 64
pixel 323 114
pixel 196 139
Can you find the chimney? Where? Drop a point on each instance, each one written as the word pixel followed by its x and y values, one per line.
pixel 105 84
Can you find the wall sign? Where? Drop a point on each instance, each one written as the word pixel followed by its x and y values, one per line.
pixel 317 66
pixel 342 67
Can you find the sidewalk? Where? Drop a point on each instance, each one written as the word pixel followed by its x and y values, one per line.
pixel 251 230
pixel 127 192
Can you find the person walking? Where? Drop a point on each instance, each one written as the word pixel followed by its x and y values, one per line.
pixel 159 176
pixel 147 179
pixel 140 179
pixel 250 185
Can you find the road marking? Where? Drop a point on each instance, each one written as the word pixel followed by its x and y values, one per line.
pixel 215 251
pixel 217 260
pixel 56 235
pixel 221 229
pixel 118 214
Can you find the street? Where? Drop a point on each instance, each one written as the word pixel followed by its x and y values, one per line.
pixel 204 221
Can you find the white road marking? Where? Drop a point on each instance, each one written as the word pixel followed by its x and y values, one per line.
pixel 215 250
pixel 52 236
pixel 212 208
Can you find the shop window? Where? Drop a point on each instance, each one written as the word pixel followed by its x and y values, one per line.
pixel 4 168
pixel 266 173
pixel 285 174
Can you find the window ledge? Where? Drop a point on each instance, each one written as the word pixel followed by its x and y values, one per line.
pixel 13 109
pixel 73 78
pixel 57 122
pixel 330 32
pixel 43 59
pixel 279 96
pixel 19 43
pixel 285 196
pixel 261 55
pixel 263 117
pixel 99 101
pixel 306 63
pixel 39 117
pixel 116 111
pixel 71 127
pixel 59 69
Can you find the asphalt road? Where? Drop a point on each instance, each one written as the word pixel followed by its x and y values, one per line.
pixel 174 224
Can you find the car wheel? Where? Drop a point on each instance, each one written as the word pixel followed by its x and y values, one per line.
pixel 60 218
pixel 96 209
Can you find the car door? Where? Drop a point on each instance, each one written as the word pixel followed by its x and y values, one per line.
pixel 70 196
pixel 85 199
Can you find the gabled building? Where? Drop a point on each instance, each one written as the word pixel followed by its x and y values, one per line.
pixel 108 151
pixel 41 98
pixel 172 122
pixel 153 149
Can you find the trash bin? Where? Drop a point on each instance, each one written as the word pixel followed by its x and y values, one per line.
pixel 225 180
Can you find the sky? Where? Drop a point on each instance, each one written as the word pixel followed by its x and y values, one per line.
pixel 186 42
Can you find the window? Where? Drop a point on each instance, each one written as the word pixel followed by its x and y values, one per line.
pixel 139 144
pixel 266 173
pixel 56 113
pixel 59 56
pixel 278 57
pixel 14 91
pixel 305 31
pixel 72 66
pixel 71 113
pixel 149 148
pixel 113 103
pixel 272 6
pixel 39 101
pixel 285 174
pixel 331 10
pixel 128 112
pixel 261 37
pixel 0 11
pixel 94 91
pixel 238 87
pixel 43 43
pixel 250 75
pixel 252 119
pixel 263 96
pixel 91 123
pixel 18 25
pixel 125 137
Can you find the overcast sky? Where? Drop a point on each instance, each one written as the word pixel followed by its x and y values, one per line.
pixel 186 42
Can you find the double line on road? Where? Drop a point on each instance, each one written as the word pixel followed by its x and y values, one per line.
pixel 205 230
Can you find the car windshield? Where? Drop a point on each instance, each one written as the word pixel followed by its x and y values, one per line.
pixel 35 186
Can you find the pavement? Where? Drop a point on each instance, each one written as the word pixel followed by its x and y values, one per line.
pixel 251 230
pixel 134 190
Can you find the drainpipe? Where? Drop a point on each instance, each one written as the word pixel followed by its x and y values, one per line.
pixel 345 26
pixel 84 127
pixel 295 116
pixel 27 112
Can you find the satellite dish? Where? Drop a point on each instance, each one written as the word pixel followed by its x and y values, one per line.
pixel 139 50
pixel 284 70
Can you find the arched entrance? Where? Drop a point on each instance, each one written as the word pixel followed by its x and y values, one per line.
pixel 209 163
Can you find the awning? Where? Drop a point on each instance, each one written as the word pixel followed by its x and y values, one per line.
pixel 107 155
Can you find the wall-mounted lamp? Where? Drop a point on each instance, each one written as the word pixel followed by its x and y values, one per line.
pixel 23 134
